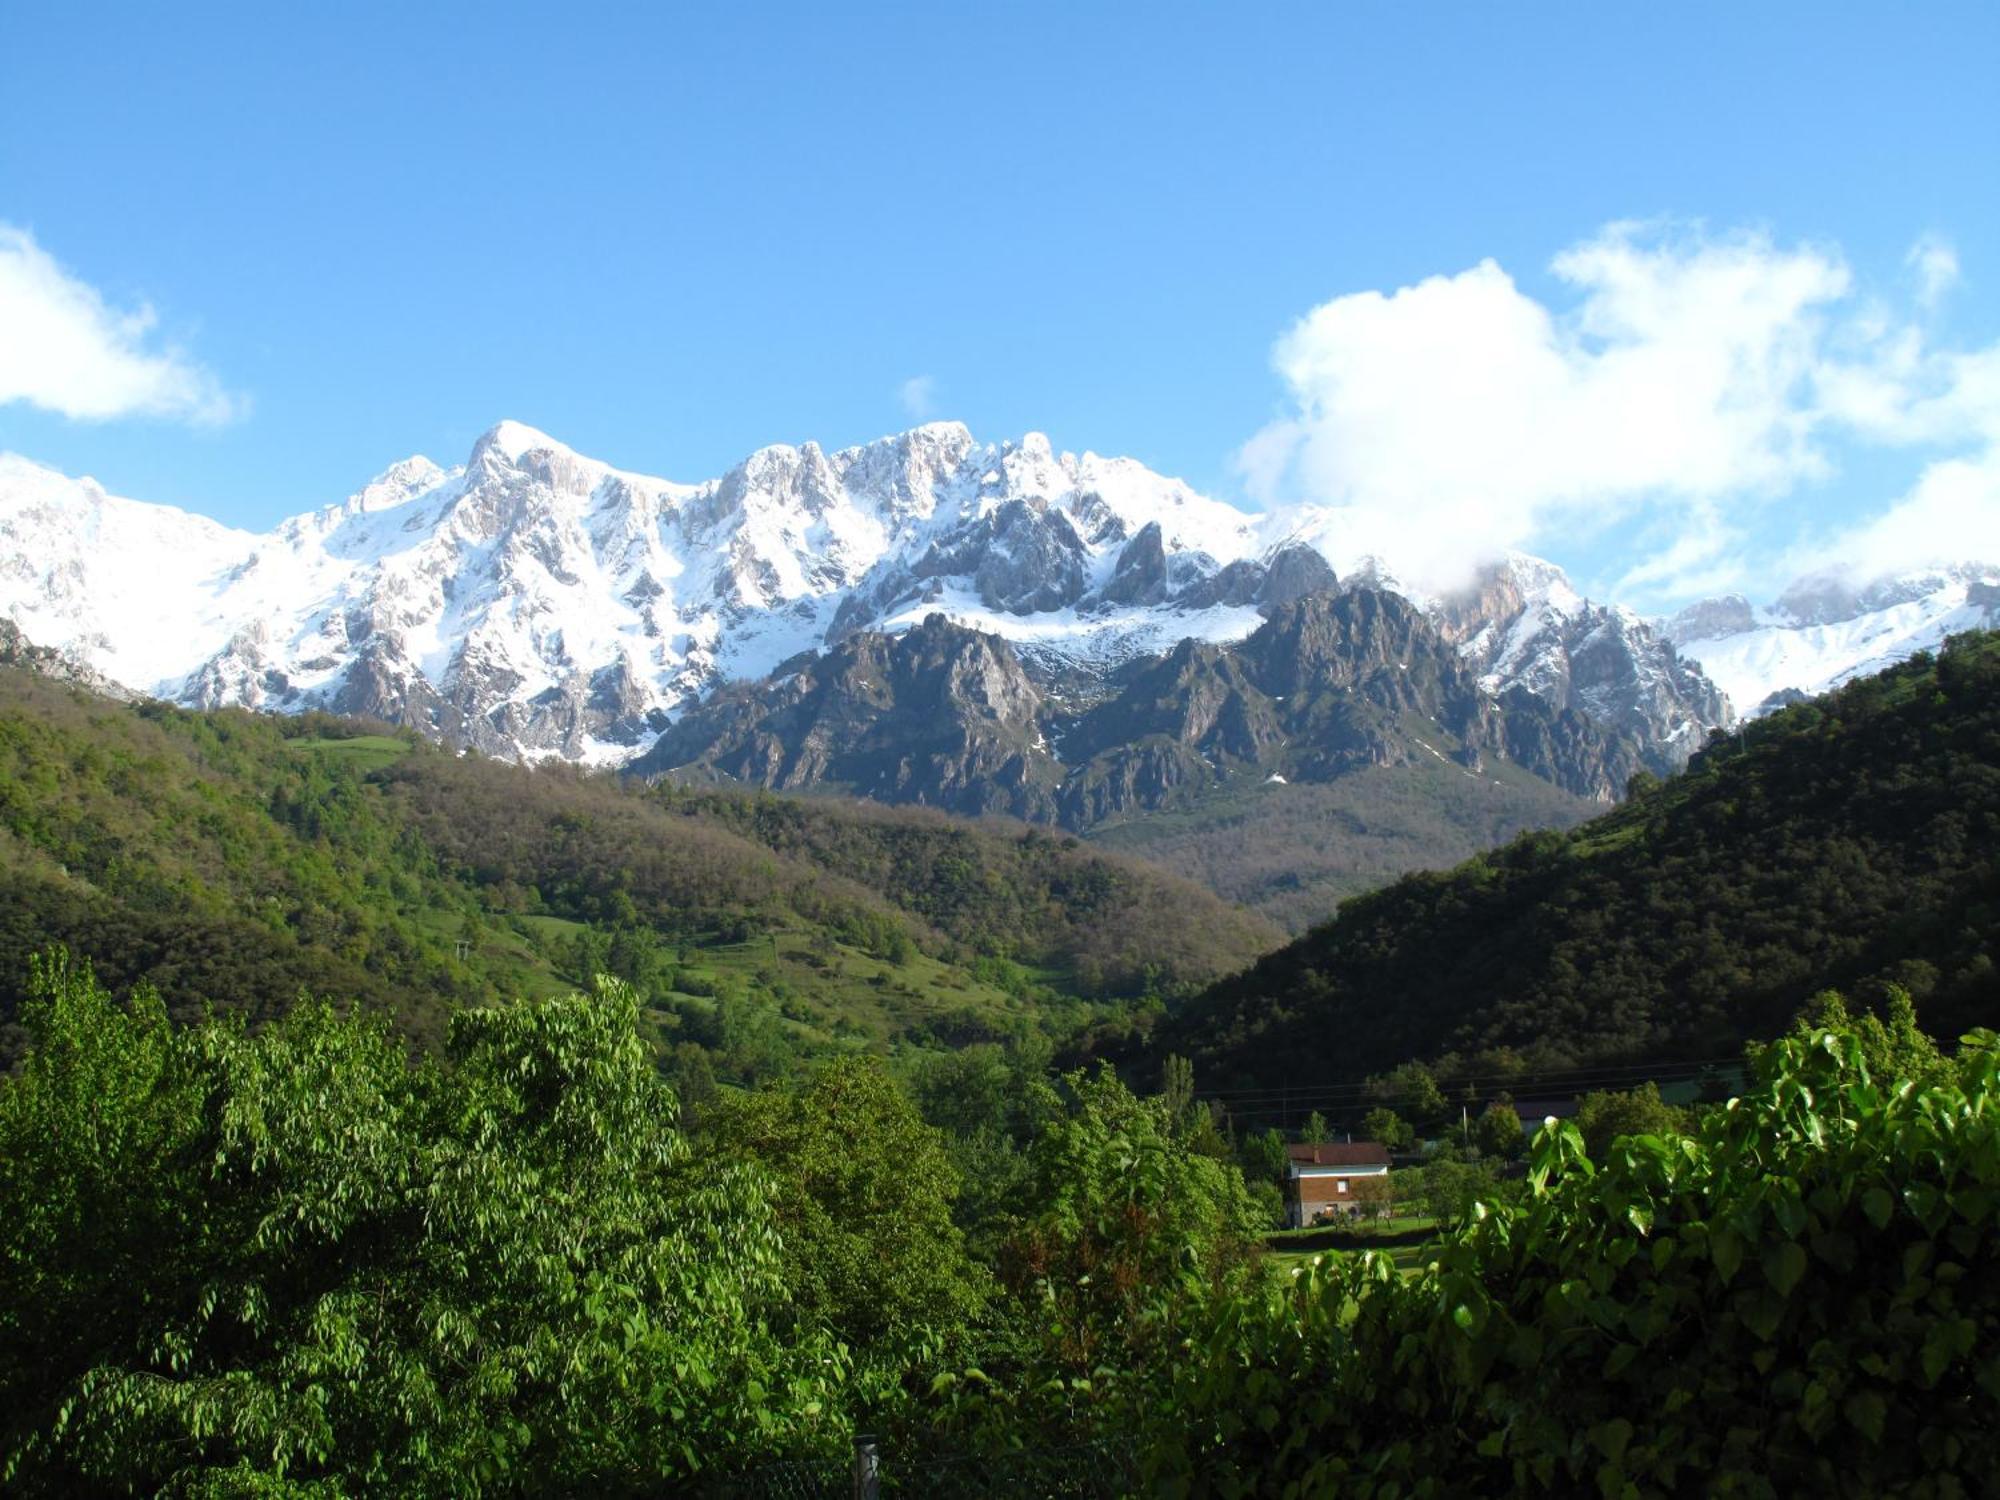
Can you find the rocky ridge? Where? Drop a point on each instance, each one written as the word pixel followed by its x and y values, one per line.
pixel 534 602
pixel 945 715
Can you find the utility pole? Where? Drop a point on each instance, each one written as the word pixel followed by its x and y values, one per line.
pixel 867 1467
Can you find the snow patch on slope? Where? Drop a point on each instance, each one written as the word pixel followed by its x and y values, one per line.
pixel 537 602
pixel 1891 620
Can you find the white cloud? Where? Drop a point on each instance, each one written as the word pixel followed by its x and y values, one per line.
pixel 1692 380
pixel 918 395
pixel 65 349
pixel 1951 515
pixel 1934 263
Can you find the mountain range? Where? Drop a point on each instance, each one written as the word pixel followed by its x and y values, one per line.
pixel 534 602
pixel 1828 628
pixel 983 627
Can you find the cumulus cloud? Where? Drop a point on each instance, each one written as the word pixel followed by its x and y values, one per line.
pixel 1688 382
pixel 63 348
pixel 918 395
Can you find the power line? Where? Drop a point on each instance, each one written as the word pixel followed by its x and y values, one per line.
pixel 1553 1080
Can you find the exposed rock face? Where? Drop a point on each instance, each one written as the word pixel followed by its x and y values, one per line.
pixel 535 602
pixel 1294 572
pixel 1140 574
pixel 941 715
pixel 16 650
pixel 1726 615
pixel 1331 683
pixel 1020 559
pixel 1522 625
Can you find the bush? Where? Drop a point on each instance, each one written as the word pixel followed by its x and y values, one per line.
pixel 1801 1297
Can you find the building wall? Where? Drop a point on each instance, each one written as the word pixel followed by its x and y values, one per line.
pixel 1316 1189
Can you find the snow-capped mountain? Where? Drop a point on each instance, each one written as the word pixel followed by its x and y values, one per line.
pixel 1521 624
pixel 1331 683
pixel 536 602
pixel 1828 628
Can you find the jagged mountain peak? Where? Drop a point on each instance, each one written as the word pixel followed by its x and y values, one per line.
pixel 508 441
pixel 1331 684
pixel 537 601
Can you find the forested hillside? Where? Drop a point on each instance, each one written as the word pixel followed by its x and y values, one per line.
pixel 238 859
pixel 1294 852
pixel 1847 841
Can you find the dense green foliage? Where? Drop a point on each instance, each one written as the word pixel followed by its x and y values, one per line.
pixel 631 1240
pixel 237 860
pixel 1801 1297
pixel 308 1260
pixel 1844 841
pixel 301 1255
pixel 237 1262
pixel 864 1203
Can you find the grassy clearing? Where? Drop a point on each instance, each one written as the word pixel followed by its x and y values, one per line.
pixel 365 752
pixel 826 993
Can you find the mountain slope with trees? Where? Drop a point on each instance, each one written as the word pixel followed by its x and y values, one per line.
pixel 238 859
pixel 1847 841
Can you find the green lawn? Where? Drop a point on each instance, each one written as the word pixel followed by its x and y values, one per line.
pixel 1406 1239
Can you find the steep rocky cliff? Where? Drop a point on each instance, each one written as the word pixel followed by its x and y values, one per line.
pixel 1331 683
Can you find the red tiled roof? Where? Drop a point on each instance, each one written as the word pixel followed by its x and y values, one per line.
pixel 1341 1154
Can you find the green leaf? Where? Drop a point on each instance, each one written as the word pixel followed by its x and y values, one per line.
pixel 1940 1347
pixel 1868 1412
pixel 1725 1246
pixel 1879 1206
pixel 1784 1264
pixel 1789 1212
pixel 1612 1438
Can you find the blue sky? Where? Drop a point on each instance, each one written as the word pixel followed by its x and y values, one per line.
pixel 669 235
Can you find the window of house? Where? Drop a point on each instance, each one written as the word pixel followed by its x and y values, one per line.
pixel 1340 1186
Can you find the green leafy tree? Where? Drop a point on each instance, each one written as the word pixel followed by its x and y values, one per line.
pixel 1892 1045
pixel 1391 1129
pixel 1315 1131
pixel 298 1258
pixel 1265 1158
pixel 1448 1190
pixel 1606 1115
pixel 865 1201
pixel 1177 1087
pixel 1121 1222
pixel 1374 1198
pixel 1411 1090
pixel 1498 1131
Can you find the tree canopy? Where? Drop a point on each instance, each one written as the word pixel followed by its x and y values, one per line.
pixel 1844 841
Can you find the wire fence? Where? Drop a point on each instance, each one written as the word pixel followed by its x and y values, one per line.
pixel 1086 1471
pixel 788 1479
pixel 1105 1470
